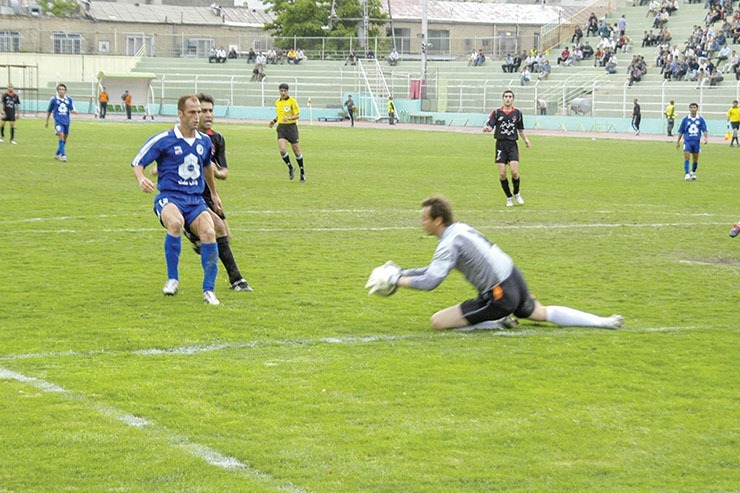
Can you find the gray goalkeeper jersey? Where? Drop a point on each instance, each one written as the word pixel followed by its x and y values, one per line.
pixel 462 247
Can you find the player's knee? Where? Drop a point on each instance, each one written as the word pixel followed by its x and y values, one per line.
pixel 438 321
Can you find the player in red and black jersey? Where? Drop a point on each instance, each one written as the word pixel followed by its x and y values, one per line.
pixel 507 125
pixel 10 103
pixel 238 283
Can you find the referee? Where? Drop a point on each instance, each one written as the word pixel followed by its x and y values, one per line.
pixel 287 114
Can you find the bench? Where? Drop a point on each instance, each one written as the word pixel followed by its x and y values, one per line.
pixel 420 118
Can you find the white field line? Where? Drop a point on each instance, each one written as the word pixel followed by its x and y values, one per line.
pixel 211 456
pixel 205 348
pixel 394 228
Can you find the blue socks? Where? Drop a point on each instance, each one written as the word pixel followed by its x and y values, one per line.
pixel 686 166
pixel 172 248
pixel 209 259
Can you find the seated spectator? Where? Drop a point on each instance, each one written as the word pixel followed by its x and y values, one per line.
pixel 588 51
pixel 370 55
pixel 517 62
pixel 653 8
pixel 221 55
pixel 545 70
pixel 351 59
pixel 213 56
pixel 723 54
pixel 299 56
pixel 393 57
pixel 593 25
pixel 271 56
pixel 635 75
pixel 715 77
pixel 261 59
pixel 577 35
pixel 599 57
pixel 233 54
pixel 258 73
pixel 292 54
pixel 251 56
pixel 575 56
pixel 564 55
pixel 508 65
pixel 525 76
pixel 279 56
pixel 611 65
pixel 472 58
pixel 481 58
pixel 623 43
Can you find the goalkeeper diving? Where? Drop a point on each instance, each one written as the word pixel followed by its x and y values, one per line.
pixel 502 291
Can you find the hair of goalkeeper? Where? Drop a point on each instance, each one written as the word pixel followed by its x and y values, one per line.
pixel 439 207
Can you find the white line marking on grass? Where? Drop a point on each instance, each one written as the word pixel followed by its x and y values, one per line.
pixel 702 224
pixel 196 349
pixel 211 456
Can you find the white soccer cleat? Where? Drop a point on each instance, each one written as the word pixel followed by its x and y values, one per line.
pixel 519 199
pixel 170 287
pixel 63 158
pixel 509 201
pixel 210 298
pixel 614 322
pixel 2 140
pixel 687 177
pixel 693 176
pixel 13 142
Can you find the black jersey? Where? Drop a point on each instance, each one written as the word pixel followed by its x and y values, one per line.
pixel 10 101
pixel 218 157
pixel 506 125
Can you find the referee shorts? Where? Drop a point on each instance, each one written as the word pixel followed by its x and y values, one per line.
pixel 288 131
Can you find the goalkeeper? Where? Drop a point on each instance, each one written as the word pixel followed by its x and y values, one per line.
pixel 501 287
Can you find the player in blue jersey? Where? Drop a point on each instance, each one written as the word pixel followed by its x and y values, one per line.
pixel 62 107
pixel 183 157
pixel 691 129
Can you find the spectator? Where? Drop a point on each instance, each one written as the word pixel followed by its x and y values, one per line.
pixel 473 58
pixel 370 55
pixel 545 70
pixel 508 65
pixel 593 25
pixel 587 50
pixel 251 56
pixel 525 76
pixel 577 35
pixel 622 25
pixel 564 55
pixel 481 58
pixel 393 57
pixel 233 54
pixel 611 65
pixel 300 56
pixel 292 55
pixel 351 58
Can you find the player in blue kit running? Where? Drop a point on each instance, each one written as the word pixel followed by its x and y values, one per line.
pixel 61 106
pixel 691 129
pixel 183 157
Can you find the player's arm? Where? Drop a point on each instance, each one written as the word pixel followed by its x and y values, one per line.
pixel 145 184
pixel 209 172
pixel 524 138
pixel 221 170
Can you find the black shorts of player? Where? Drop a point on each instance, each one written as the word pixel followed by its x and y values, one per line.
pixel 735 125
pixel 9 116
pixel 288 131
pixel 511 296
pixel 507 151
pixel 212 207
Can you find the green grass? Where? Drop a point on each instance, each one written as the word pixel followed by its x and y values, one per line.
pixel 308 384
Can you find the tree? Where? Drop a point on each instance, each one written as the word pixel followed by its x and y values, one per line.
pixel 311 18
pixel 59 8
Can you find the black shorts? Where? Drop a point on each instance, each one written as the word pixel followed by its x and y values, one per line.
pixel 9 116
pixel 735 125
pixel 507 151
pixel 288 131
pixel 511 296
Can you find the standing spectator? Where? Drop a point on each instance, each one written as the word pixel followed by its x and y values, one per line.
pixel 636 117
pixel 103 97
pixel 391 111
pixel 502 290
pixel 690 130
pixel 622 25
pixel 126 98
pixel 287 114
pixel 350 105
pixel 9 108
pixel 733 120
pixel 181 179
pixel 507 125
pixel 62 107
pixel 670 115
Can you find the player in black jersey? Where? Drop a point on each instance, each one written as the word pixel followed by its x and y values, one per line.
pixel 238 283
pixel 507 125
pixel 10 104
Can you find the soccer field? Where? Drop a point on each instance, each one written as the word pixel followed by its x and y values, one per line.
pixel 308 384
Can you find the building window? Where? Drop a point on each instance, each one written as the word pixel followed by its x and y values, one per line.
pixel 440 41
pixel 104 46
pixel 402 39
pixel 139 44
pixel 10 41
pixel 68 44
